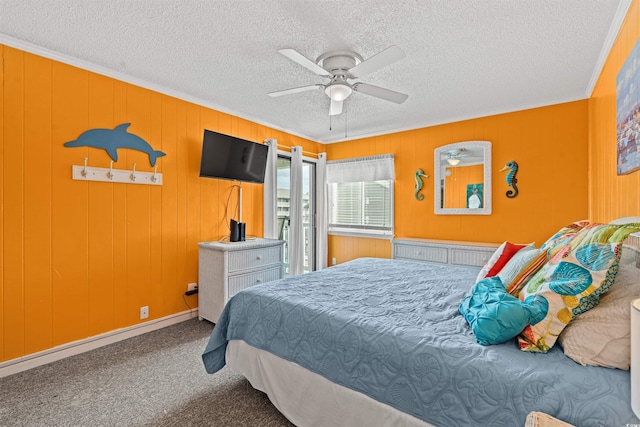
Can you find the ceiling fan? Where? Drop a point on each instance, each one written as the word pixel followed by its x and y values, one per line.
pixel 340 66
pixel 469 157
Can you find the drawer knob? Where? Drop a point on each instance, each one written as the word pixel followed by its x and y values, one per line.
pixel 259 280
pixel 259 257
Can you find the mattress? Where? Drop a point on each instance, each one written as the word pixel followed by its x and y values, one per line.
pixel 391 330
pixel 308 399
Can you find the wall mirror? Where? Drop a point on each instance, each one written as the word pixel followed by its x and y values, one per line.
pixel 462 181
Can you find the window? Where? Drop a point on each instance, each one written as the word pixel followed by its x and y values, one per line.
pixel 361 196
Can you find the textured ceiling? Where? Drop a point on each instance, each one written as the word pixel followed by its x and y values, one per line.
pixel 465 58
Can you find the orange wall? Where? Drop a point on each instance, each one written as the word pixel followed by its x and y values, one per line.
pixel 80 258
pixel 611 196
pixel 550 145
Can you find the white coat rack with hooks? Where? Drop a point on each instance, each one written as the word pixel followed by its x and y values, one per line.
pixel 131 176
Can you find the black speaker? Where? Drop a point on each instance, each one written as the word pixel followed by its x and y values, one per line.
pixel 242 226
pixel 237 231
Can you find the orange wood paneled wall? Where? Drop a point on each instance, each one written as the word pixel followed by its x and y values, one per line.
pixel 611 196
pixel 551 146
pixel 80 258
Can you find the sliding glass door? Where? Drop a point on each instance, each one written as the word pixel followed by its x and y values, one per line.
pixel 308 209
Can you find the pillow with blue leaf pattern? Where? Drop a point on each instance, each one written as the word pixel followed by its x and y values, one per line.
pixel 580 270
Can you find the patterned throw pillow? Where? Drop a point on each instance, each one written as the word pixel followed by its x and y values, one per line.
pixel 562 237
pixel 572 281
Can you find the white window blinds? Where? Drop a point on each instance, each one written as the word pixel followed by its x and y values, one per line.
pixel 360 193
pixel 372 168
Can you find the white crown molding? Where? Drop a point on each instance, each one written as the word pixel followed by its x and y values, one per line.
pixel 98 69
pixel 614 30
pixel 38 50
pixel 479 115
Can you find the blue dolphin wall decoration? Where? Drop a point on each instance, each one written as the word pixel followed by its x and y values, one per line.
pixel 112 139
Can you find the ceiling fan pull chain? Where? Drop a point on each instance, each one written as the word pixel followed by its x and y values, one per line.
pixel 346 111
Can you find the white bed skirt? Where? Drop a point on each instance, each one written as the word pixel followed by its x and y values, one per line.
pixel 308 399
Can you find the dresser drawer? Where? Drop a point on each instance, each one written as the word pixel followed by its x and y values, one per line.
pixel 470 256
pixel 225 268
pixel 254 258
pixel 243 281
pixel 443 251
pixel 421 253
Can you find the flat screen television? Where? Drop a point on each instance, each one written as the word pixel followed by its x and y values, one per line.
pixel 228 157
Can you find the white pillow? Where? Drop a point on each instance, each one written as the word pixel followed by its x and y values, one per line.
pixel 626 220
pixel 602 335
pixel 630 255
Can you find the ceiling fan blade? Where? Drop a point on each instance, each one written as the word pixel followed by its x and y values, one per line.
pixel 380 92
pixel 297 57
pixel 335 108
pixel 295 90
pixel 382 59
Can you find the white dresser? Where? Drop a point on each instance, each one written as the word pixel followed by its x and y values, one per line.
pixel 224 269
pixel 444 251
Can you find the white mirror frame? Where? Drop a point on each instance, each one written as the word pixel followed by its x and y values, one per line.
pixel 439 176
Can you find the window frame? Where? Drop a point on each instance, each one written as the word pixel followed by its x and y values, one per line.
pixel 362 230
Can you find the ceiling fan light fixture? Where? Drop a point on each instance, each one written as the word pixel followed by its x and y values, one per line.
pixel 340 66
pixel 338 91
pixel 453 161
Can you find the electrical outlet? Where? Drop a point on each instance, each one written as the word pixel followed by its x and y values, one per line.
pixel 144 312
pixel 192 287
pixel 333 261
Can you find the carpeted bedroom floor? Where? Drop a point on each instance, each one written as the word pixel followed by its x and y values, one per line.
pixel 156 379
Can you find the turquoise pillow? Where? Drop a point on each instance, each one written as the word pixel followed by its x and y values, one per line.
pixel 494 315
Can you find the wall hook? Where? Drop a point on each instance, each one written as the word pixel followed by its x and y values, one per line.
pixel 419 175
pixel 116 175
pixel 511 178
pixel 84 171
pixel 153 177
pixel 110 173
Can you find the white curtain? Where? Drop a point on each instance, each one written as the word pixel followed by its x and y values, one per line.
pixel 296 230
pixel 322 218
pixel 371 168
pixel 270 191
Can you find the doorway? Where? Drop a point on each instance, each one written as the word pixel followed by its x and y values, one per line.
pixel 283 186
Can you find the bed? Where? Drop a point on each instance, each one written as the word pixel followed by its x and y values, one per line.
pixel 382 342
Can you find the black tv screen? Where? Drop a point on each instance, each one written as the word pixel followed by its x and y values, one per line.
pixel 228 157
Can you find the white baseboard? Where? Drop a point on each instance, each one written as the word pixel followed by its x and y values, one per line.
pixel 24 363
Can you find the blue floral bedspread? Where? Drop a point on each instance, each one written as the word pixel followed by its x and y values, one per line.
pixel 391 329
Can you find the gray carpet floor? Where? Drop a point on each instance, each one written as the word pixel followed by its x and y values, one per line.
pixel 155 379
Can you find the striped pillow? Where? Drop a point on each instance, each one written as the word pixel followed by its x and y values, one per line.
pixel 516 273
